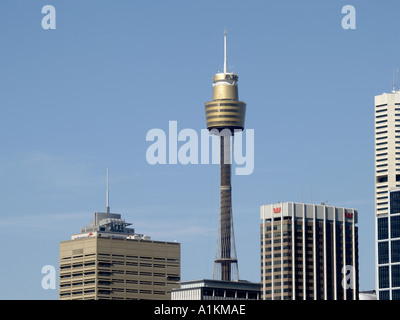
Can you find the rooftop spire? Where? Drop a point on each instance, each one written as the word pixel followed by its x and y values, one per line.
pixel 395 80
pixel 225 51
pixel 107 197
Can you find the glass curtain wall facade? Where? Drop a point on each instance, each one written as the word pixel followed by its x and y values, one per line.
pixel 388 236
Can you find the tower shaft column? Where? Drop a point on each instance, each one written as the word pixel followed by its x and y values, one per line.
pixel 225 208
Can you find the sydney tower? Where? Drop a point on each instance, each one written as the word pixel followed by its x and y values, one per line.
pixel 225 114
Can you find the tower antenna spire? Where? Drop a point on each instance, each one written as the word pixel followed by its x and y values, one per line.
pixel 225 51
pixel 107 197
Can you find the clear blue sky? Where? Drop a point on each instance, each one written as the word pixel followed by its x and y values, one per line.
pixel 80 99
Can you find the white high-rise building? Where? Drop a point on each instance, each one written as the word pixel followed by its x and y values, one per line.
pixel 387 182
pixel 387 148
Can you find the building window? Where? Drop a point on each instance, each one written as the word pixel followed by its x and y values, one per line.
pixel 381 179
pixel 384 295
pixel 395 251
pixel 383 252
pixel 219 293
pixel 396 295
pixel 384 277
pixel 396 275
pixel 395 200
pixel 395 226
pixel 382 228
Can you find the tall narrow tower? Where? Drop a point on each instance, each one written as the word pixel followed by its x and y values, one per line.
pixel 225 114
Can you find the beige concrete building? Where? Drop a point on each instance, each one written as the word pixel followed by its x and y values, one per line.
pixel 107 260
pixel 308 252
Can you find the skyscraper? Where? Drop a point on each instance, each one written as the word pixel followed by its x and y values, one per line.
pixel 308 252
pixel 387 180
pixel 225 114
pixel 108 260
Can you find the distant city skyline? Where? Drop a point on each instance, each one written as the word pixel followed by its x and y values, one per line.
pixel 80 98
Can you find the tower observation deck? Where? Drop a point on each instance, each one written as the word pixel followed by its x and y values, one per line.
pixel 225 114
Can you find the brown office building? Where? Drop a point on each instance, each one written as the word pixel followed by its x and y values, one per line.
pixel 107 260
pixel 309 252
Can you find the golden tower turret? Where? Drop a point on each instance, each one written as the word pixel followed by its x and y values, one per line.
pixel 225 111
pixel 225 114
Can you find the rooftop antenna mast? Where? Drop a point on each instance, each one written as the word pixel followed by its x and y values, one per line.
pixel 225 51
pixel 108 197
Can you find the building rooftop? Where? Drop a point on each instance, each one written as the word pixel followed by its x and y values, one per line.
pixel 239 284
pixel 205 289
pixel 109 225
